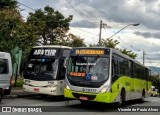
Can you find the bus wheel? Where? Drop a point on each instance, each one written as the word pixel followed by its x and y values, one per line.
pixel 1 94
pixel 143 96
pixel 121 98
pixel 120 101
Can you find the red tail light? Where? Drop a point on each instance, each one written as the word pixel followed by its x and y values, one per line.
pixel 11 81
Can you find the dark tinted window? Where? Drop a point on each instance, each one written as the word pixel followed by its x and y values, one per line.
pixel 3 66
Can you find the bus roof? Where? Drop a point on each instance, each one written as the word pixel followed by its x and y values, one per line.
pixel 127 57
pixel 52 46
pixel 113 51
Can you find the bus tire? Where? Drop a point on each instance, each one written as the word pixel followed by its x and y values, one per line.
pixel 8 91
pixel 1 94
pixel 122 98
pixel 143 96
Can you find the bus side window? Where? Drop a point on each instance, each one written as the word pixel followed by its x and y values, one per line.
pixel 115 70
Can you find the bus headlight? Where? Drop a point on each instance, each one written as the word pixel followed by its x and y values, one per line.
pixel 104 89
pixel 67 87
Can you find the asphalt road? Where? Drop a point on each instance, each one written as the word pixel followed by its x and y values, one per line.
pixel 59 105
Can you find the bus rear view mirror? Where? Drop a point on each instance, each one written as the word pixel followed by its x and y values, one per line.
pixel 65 62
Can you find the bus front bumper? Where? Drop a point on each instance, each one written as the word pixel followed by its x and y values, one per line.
pixel 98 97
pixel 43 90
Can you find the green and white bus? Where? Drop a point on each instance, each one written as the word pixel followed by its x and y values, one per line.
pixel 105 75
pixel 45 70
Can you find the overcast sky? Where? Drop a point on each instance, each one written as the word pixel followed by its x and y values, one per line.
pixel 116 14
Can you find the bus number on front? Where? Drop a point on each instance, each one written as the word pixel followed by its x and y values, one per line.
pixel 88 90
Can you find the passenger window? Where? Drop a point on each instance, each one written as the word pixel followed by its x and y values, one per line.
pixel 3 66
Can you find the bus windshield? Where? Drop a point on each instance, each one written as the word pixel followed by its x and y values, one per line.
pixel 88 69
pixel 44 69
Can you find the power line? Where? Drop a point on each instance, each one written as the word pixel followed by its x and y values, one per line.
pixel 136 49
pixel 152 64
pixel 127 44
pixel 80 13
pixel 86 31
pixel 83 15
pixel 26 6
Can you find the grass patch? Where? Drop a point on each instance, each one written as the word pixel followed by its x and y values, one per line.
pixel 19 83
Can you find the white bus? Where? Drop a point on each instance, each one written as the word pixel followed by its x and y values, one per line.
pixel 5 74
pixel 45 70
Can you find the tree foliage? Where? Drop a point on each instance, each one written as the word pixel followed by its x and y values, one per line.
pixel 110 43
pixel 75 41
pixel 5 4
pixel 155 80
pixel 9 20
pixel 129 53
pixel 14 30
pixel 50 25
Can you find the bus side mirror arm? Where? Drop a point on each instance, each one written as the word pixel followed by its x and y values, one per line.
pixel 65 62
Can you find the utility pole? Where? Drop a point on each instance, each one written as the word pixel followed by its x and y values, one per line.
pixel 102 25
pixel 159 84
pixel 143 57
pixel 100 33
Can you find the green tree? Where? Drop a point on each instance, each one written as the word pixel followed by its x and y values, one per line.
pixel 4 4
pixel 110 43
pixel 128 52
pixel 25 38
pixel 50 25
pixel 14 30
pixel 9 20
pixel 75 41
pixel 155 80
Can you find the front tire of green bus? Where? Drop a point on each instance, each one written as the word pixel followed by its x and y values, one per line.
pixel 120 102
pixel 122 98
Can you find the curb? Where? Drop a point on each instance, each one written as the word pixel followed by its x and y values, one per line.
pixel 18 96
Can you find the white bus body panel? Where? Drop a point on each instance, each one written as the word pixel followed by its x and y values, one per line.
pixel 6 77
pixel 54 87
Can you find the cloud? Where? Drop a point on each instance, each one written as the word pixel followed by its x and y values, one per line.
pixel 124 11
pixel 115 13
pixel 145 12
pixel 148 34
pixel 83 23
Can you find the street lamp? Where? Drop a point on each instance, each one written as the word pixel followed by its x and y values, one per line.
pixel 123 29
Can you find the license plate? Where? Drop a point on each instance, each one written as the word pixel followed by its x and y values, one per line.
pixel 36 89
pixel 83 98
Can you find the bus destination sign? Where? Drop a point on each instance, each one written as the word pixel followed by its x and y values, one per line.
pixel 44 52
pixel 90 52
